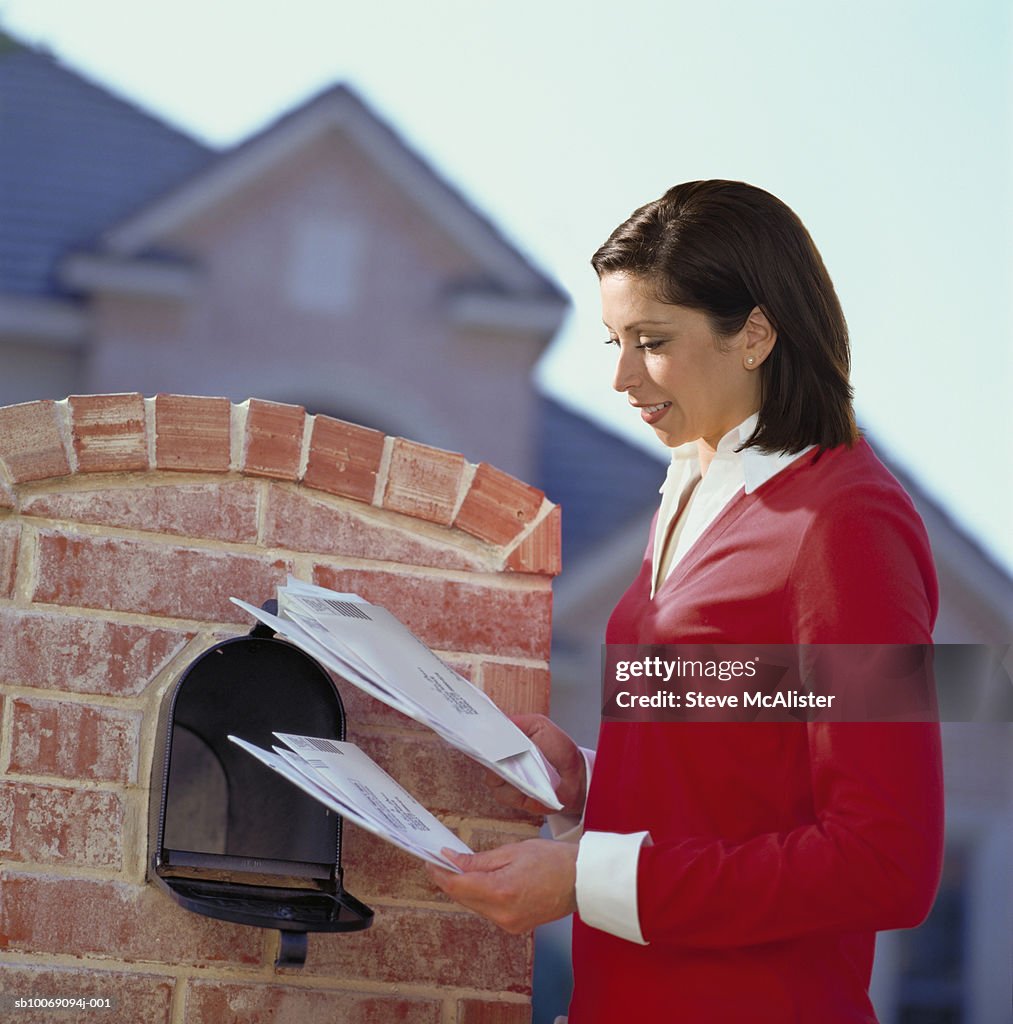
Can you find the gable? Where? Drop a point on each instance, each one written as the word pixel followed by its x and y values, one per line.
pixel 337 110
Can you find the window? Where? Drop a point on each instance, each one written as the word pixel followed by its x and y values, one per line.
pixel 323 268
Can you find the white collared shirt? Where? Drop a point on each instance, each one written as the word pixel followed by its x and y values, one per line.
pixel 606 861
pixel 729 472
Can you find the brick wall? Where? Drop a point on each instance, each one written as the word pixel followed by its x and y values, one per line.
pixel 125 525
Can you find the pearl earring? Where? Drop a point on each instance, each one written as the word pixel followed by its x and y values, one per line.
pixel 750 361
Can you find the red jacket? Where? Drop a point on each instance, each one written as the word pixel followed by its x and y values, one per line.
pixel 778 849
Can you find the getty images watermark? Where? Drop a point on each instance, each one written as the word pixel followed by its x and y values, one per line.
pixel 807 683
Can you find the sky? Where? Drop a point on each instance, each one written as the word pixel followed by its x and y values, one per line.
pixel 887 125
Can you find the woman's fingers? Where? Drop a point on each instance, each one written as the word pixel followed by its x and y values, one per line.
pixel 517 886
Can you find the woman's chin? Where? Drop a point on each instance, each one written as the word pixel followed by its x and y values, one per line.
pixel 670 438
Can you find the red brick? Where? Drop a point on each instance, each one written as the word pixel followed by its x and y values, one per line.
pixel 376 868
pixel 74 741
pixel 31 441
pixel 153 579
pixel 423 482
pixel 477 1011
pixel 10 535
pixel 109 433
pixel 90 918
pixel 454 616
pixel 220 510
pixel 137 998
pixel 273 442
pixel 344 458
pixel 295 521
pixel 441 778
pixel 541 551
pixel 517 689
pixel 57 825
pixel 192 433
pixel 409 945
pixel 231 1003
pixel 497 506
pixel 53 651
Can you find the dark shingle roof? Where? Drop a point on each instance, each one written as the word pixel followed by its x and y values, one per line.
pixel 600 480
pixel 73 159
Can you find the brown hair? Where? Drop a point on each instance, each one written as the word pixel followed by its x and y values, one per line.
pixel 724 248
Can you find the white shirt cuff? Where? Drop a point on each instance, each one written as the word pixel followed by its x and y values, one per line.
pixel 607 882
pixel 568 828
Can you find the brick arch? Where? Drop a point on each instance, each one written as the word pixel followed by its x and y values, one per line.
pixel 175 433
pixel 125 525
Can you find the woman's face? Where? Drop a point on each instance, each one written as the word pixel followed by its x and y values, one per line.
pixel 686 382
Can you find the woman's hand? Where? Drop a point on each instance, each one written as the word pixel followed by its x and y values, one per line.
pixel 562 753
pixel 517 886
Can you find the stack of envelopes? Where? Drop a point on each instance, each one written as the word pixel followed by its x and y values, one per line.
pixel 370 648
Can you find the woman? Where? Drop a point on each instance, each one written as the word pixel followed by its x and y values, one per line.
pixel 732 872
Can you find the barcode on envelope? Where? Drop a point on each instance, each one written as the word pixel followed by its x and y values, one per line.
pixel 347 608
pixel 327 746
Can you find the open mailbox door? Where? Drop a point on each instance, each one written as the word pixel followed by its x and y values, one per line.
pixel 228 838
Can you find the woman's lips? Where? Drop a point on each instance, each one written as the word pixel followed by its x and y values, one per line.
pixel 652 413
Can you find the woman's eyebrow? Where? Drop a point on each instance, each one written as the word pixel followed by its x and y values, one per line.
pixel 644 323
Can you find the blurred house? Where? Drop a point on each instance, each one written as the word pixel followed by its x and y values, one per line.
pixel 322 262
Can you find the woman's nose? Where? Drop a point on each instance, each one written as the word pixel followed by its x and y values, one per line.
pixel 627 373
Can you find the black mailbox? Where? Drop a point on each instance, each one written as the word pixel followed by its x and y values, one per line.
pixel 229 838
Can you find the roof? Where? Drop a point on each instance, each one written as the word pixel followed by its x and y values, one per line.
pixel 84 170
pixel 340 108
pixel 601 481
pixel 76 158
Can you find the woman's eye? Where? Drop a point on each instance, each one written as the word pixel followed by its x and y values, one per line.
pixel 611 341
pixel 650 346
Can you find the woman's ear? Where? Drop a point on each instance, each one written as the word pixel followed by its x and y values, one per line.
pixel 760 338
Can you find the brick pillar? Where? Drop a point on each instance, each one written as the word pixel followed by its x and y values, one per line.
pixel 125 525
